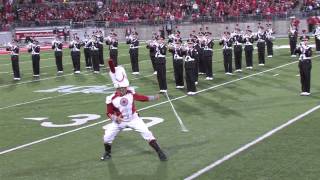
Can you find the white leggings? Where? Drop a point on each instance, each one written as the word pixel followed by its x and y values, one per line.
pixel 112 129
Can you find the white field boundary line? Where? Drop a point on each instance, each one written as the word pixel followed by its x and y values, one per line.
pixel 54 77
pixel 145 108
pixel 36 100
pixel 86 73
pixel 52 58
pixel 52 97
pixel 252 143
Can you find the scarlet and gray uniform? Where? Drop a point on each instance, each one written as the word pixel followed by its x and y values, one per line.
pixel 178 54
pixel 14 60
pixel 227 54
pixel 190 67
pixel 75 54
pixel 134 54
pixel 160 62
pixel 34 49
pixel 124 107
pixel 305 66
pixel 113 50
pixel 57 47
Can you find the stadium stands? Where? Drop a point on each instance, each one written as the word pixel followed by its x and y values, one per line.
pixel 40 12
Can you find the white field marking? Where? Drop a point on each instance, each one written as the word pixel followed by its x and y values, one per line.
pixel 298 75
pixel 51 137
pixel 37 119
pixel 52 97
pixel 276 75
pixel 64 56
pixel 53 77
pixel 32 73
pixel 37 100
pixel 252 143
pixel 23 62
pixel 145 108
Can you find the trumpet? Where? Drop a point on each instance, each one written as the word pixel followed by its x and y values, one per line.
pixel 171 46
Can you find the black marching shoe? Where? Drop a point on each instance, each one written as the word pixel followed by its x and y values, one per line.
pixel 162 156
pixel 105 156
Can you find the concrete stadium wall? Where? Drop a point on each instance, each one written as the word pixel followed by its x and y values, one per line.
pixel 5 37
pixel 145 32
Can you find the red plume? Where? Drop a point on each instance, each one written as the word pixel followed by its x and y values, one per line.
pixel 111 65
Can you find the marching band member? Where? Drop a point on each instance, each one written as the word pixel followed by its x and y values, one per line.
pixel 100 40
pixel 207 56
pixel 134 52
pixel 317 37
pixel 190 67
pixel 172 37
pixel 178 54
pixel 34 49
pixel 121 109
pixel 305 65
pixel 261 45
pixel 304 37
pixel 227 42
pixel 199 45
pixel 57 47
pixel 269 39
pixel 160 62
pixel 113 48
pixel 86 50
pixel 14 52
pixel 248 47
pixel 293 37
pixel 75 46
pixel 237 49
pixel 94 46
pixel 151 45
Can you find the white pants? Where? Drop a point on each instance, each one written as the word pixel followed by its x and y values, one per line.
pixel 111 130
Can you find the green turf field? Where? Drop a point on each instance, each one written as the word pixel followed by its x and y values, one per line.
pixel 227 113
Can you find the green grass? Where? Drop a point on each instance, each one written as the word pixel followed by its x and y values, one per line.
pixel 220 120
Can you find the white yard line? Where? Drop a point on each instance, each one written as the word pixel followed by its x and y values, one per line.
pixel 53 77
pixel 145 108
pixel 52 97
pixel 252 143
pixel 37 100
pixel 23 62
pixel 64 56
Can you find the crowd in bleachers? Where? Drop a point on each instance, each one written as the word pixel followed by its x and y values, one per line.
pixel 309 5
pixel 41 11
